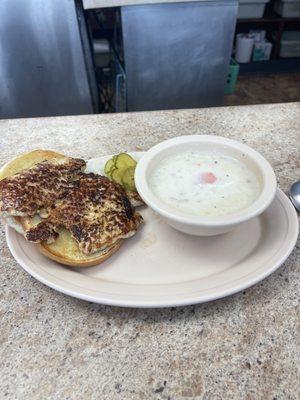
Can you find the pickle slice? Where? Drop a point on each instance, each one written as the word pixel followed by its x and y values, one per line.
pixel 124 161
pixel 128 179
pixel 109 166
pixel 117 175
pixel 111 171
pixel 120 168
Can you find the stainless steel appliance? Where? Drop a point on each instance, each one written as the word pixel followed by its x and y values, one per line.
pixel 177 54
pixel 45 59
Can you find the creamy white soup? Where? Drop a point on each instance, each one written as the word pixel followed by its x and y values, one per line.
pixel 204 183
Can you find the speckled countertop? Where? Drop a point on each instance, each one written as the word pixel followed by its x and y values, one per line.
pixel 245 347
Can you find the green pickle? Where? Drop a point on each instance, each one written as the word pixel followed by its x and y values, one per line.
pixel 117 175
pixel 124 161
pixel 128 179
pixel 109 166
pixel 121 168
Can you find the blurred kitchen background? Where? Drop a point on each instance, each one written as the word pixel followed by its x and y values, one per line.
pixel 66 57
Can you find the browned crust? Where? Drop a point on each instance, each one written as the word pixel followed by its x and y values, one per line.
pixel 82 263
pixel 32 190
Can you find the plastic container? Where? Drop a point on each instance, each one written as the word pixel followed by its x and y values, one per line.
pixel 232 77
pixel 251 8
pixel 258 34
pixel 287 8
pixel 290 44
pixel 262 51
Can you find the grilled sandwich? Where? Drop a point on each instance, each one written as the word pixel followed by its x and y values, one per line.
pixel 77 218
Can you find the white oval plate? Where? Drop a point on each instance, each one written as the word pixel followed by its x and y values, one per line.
pixel 161 267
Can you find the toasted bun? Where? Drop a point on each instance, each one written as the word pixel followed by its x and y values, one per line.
pixel 27 160
pixel 65 249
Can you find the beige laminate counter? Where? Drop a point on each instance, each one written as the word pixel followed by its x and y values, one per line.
pixel 244 347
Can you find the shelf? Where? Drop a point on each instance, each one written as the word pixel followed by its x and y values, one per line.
pixel 270 20
pixel 277 24
pixel 280 65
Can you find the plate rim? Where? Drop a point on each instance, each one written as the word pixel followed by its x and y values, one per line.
pixel 193 298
